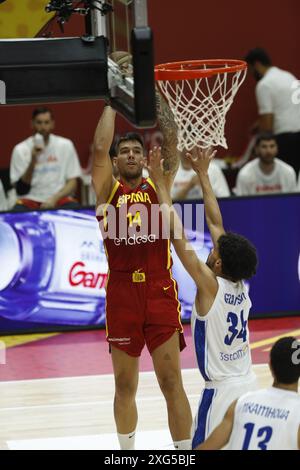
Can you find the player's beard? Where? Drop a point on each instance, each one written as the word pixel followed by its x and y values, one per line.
pixel 132 175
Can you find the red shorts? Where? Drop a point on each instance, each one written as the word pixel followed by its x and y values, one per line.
pixel 139 313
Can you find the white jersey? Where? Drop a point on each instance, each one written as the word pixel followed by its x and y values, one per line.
pixel 266 420
pixel 251 180
pixel 221 337
pixel 274 94
pixel 216 177
pixel 3 200
pixel 57 163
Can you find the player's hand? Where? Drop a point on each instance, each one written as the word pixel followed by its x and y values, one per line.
pixel 50 203
pixel 194 182
pixel 36 151
pixel 155 166
pixel 124 61
pixel 201 158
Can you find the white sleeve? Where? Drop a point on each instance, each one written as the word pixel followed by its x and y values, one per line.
pixel 3 200
pixel 264 99
pixel 174 190
pixel 298 183
pixel 290 181
pixel 20 160
pixel 218 182
pixel 241 188
pixel 178 183
pixel 73 168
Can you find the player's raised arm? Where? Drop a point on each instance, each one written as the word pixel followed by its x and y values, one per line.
pixel 202 275
pixel 102 175
pixel 200 160
pixel 221 435
pixel 169 150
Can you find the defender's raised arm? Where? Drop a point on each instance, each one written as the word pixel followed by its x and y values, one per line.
pixel 200 160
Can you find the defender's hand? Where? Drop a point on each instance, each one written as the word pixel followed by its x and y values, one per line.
pixel 155 166
pixel 201 158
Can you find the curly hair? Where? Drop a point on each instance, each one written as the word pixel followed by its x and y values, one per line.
pixel 238 255
pixel 286 371
pixel 258 55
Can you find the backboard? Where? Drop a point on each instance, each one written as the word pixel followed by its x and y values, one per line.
pixel 126 29
pixel 50 70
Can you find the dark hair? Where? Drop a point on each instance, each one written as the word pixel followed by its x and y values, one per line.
pixel 258 55
pixel 126 137
pixel 285 370
pixel 238 255
pixel 265 136
pixel 112 150
pixel 41 110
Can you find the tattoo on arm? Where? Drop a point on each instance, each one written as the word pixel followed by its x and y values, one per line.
pixel 168 128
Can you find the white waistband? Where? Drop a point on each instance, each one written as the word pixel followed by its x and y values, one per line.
pixel 251 377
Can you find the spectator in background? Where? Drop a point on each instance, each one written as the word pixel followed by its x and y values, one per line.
pixel 45 167
pixel 186 184
pixel 278 112
pixel 266 174
pixel 3 200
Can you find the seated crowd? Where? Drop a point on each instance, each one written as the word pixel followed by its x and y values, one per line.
pixel 45 172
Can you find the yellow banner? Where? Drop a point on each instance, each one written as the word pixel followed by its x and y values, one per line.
pixel 22 18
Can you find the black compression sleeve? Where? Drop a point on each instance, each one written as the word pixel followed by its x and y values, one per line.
pixel 22 188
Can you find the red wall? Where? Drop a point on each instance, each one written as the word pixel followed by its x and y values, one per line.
pixel 192 29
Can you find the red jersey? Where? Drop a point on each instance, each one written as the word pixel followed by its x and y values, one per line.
pixel 131 226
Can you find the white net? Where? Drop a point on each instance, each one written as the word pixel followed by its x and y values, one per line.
pixel 200 106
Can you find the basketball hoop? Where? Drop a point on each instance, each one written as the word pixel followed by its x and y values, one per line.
pixel 199 93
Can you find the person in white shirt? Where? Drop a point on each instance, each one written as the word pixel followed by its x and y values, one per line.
pixel 186 184
pixel 222 303
pixel 45 167
pixel 3 200
pixel 278 106
pixel 266 174
pixel 267 419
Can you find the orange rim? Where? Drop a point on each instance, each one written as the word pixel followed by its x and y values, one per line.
pixel 191 69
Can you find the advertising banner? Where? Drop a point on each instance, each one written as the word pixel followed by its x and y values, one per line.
pixel 54 269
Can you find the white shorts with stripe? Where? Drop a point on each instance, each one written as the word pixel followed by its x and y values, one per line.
pixel 215 401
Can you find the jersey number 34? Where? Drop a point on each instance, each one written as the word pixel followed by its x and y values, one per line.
pixel 237 328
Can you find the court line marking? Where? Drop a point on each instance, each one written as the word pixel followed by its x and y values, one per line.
pixel 273 339
pixel 90 403
pixel 156 439
pixel 107 402
pixel 22 340
pixel 105 376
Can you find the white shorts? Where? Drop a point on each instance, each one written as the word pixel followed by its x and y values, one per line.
pixel 215 401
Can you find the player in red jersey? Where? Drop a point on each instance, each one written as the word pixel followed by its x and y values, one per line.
pixel 142 306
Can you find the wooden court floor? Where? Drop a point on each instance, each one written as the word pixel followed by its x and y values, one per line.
pixel 82 406
pixel 56 391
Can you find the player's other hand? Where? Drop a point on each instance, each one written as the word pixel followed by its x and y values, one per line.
pixel 155 166
pixel 201 158
pixel 124 61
